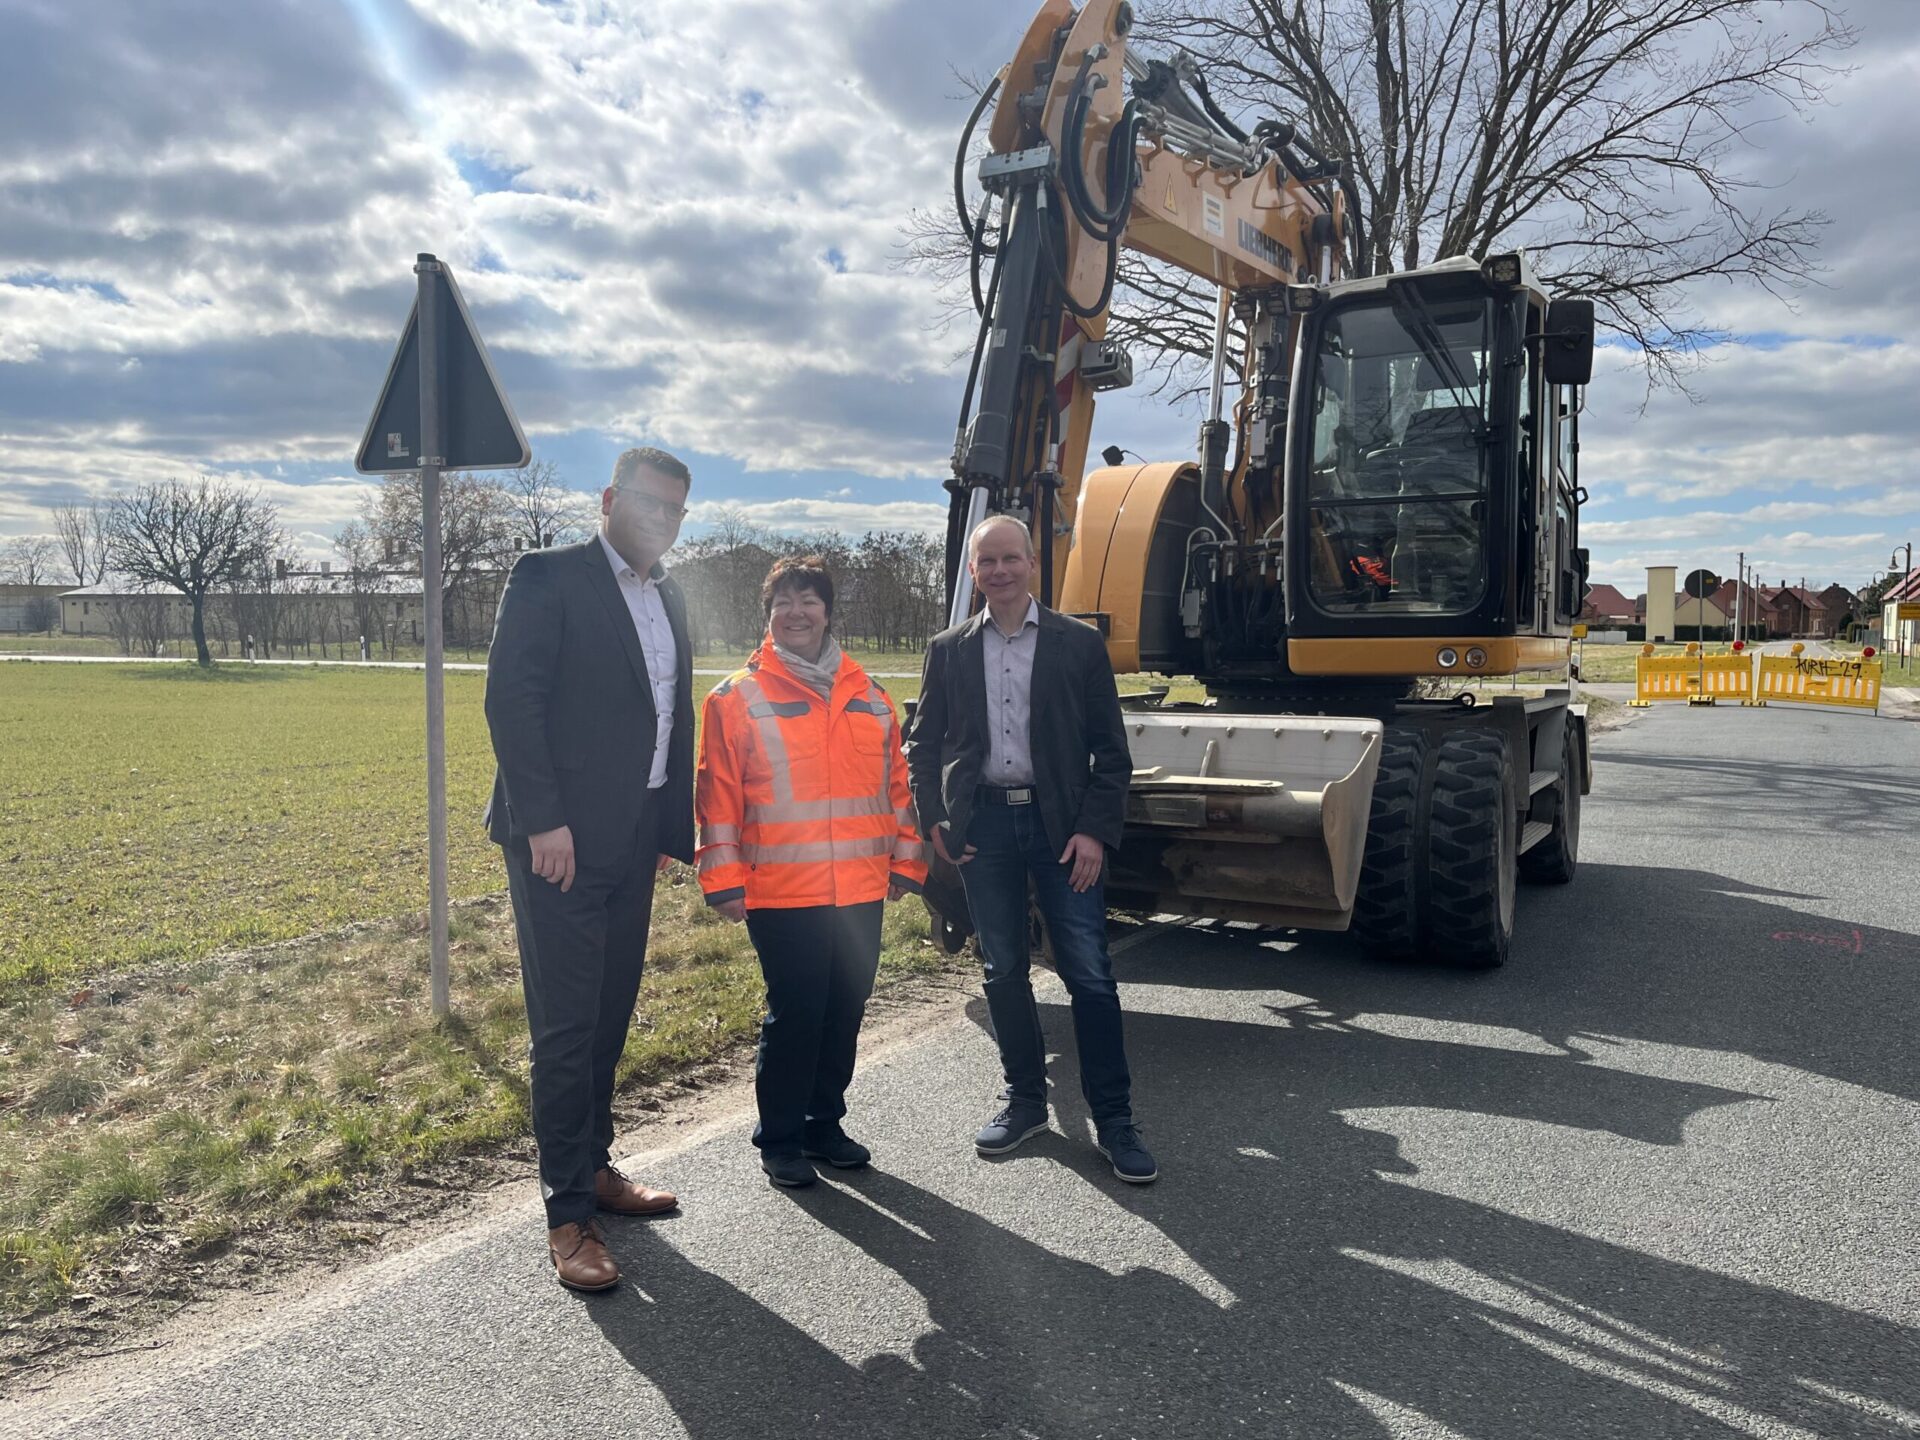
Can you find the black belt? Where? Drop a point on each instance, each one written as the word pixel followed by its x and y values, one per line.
pixel 1003 794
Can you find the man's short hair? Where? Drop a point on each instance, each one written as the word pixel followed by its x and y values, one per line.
pixel 630 461
pixel 973 540
pixel 797 572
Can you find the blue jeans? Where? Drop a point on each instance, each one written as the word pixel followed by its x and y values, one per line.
pixel 1012 851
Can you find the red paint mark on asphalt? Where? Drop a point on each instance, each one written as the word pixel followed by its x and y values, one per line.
pixel 1849 942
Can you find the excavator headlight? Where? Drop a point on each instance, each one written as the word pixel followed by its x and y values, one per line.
pixel 1501 269
pixel 1476 657
pixel 1448 657
pixel 1301 298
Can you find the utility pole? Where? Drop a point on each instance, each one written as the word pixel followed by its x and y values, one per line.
pixel 1739 595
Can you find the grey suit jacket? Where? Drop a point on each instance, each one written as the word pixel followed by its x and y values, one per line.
pixel 571 710
pixel 1081 767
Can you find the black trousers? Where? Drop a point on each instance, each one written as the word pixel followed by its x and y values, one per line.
pixel 581 954
pixel 819 962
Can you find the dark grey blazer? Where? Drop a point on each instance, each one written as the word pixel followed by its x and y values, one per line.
pixel 571 710
pixel 1081 768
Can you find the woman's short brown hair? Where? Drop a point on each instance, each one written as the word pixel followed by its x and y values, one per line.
pixel 798 572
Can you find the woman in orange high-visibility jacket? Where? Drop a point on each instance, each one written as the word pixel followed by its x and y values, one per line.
pixel 806 828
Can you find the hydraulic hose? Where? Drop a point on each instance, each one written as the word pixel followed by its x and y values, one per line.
pixel 1214 112
pixel 960 163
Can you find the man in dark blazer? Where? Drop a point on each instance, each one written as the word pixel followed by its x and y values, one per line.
pixel 1019 765
pixel 590 703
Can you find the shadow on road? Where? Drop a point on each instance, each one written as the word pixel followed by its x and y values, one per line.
pixel 1676 957
pixel 1361 1304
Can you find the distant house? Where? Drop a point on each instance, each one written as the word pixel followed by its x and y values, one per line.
pixel 21 606
pixel 1901 633
pixel 330 608
pixel 1606 605
pixel 1842 609
pixel 1698 619
pixel 91 609
pixel 1796 610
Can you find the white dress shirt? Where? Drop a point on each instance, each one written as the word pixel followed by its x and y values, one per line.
pixel 650 623
pixel 1009 666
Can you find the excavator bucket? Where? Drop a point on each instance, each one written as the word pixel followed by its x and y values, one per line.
pixel 1261 818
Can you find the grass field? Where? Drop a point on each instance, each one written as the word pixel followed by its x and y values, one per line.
pixel 154 814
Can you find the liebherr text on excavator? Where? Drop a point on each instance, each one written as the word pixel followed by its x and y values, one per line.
pixel 1391 495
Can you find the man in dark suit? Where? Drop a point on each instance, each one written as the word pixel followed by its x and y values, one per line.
pixel 590 703
pixel 1019 765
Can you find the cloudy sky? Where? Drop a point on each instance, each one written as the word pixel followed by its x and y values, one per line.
pixel 677 222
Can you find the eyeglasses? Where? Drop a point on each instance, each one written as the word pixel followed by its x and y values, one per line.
pixel 665 509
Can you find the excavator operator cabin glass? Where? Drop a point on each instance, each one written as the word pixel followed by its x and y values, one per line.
pixel 1400 397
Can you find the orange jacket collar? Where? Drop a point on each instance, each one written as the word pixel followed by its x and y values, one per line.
pixel 766 661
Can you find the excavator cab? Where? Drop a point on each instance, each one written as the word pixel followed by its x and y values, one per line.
pixel 1430 482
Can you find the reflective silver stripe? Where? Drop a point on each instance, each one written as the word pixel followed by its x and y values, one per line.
pixel 719 834
pixel 796 812
pixel 719 855
pixel 907 818
pixel 870 707
pixel 787 709
pixel 908 850
pixel 814 851
pixel 771 740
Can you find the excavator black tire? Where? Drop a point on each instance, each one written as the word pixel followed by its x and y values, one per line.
pixel 1386 906
pixel 1472 844
pixel 1553 860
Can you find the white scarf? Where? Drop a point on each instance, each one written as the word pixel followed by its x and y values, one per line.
pixel 814 674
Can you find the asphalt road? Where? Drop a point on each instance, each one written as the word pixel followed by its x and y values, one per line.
pixel 1654 1178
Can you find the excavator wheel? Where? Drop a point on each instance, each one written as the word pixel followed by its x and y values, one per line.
pixel 1553 860
pixel 1386 906
pixel 1472 852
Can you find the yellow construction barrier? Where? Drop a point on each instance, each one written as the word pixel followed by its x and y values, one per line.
pixel 1820 680
pixel 1728 677
pixel 1693 677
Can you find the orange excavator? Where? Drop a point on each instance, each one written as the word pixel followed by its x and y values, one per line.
pixel 1388 506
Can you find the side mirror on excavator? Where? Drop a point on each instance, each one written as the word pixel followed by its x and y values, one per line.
pixel 1567 344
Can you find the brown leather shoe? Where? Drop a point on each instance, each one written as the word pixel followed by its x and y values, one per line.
pixel 580 1257
pixel 621 1196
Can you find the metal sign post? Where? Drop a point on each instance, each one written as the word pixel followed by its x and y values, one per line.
pixel 441 408
pixel 428 270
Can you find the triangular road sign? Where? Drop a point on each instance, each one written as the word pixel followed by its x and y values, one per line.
pixel 478 429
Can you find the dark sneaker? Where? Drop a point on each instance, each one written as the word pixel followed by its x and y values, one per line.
pixel 1012 1125
pixel 1131 1162
pixel 789 1171
pixel 836 1149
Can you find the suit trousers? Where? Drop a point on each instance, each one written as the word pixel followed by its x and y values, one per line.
pixel 819 962
pixel 581 954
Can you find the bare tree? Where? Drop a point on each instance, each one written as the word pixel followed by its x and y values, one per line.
pixel 81 531
pixel 141 619
pixel 475 524
pixel 1598 134
pixel 542 511
pixel 193 538
pixel 28 560
pixel 41 614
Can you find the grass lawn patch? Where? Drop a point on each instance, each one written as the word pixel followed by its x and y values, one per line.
pixel 154 814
